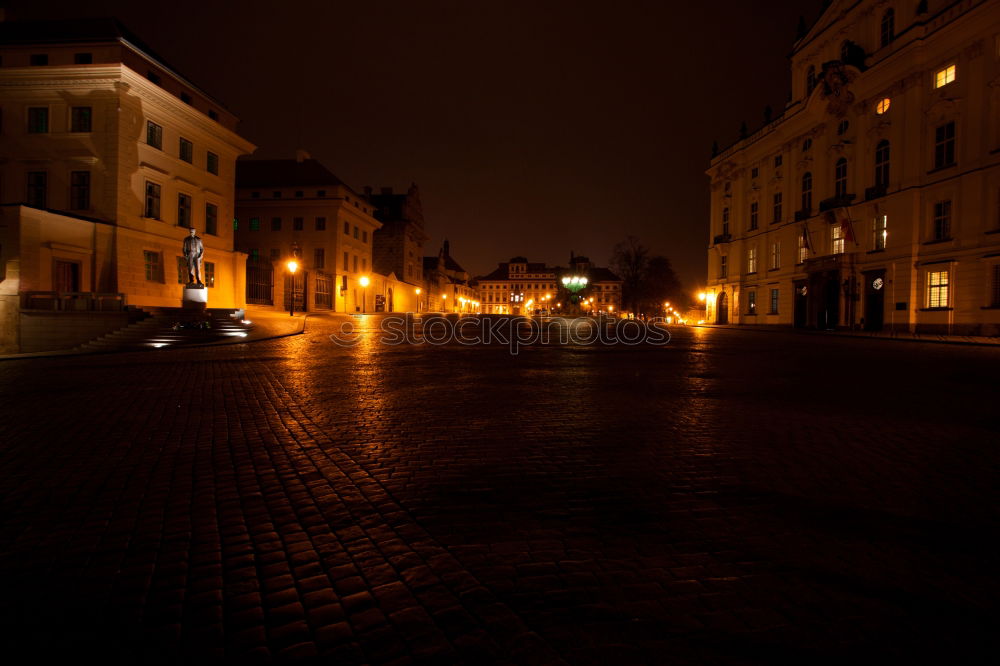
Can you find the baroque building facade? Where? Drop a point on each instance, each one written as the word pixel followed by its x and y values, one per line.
pixel 108 157
pixel 520 286
pixel 873 201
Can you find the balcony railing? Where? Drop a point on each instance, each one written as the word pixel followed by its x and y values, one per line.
pixel 722 238
pixel 875 192
pixel 832 203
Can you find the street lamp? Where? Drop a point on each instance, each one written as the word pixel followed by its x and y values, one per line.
pixel 292 266
pixel 417 290
pixel 364 282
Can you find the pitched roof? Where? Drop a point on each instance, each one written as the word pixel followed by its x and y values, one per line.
pixel 452 265
pixel 284 173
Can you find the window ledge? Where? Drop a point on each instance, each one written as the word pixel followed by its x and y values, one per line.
pixel 776 268
pixel 750 314
pixel 938 241
pixel 935 309
pixel 990 307
pixel 875 251
pixel 942 168
pixel 772 313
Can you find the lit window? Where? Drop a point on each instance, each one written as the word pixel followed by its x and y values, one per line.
pixel 209 274
pixel 836 239
pixel 944 76
pixel 751 302
pixel 775 255
pixel 880 232
pixel 937 289
pixel 803 248
pixel 883 105
pixel 752 260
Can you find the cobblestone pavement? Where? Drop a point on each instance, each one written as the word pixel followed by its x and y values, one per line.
pixel 727 498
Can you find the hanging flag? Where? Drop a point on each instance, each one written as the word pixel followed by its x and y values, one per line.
pixel 847 227
pixel 805 237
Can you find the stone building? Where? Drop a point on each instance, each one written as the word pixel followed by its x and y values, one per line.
pixel 873 201
pixel 399 243
pixel 447 284
pixel 99 131
pixel 519 286
pixel 298 209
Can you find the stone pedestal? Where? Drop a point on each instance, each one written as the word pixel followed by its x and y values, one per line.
pixel 195 297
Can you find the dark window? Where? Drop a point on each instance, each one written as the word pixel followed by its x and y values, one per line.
pixel 355 232
pixel 319 258
pixel 842 127
pixel 275 224
pixel 777 161
pixel 810 80
pixel 725 221
pixel 38 182
pixel 255 195
pixel 79 190
pixel 321 193
pixel 753 215
pixel 80 119
pixel 723 267
pixel 38 59
pixel 347 229
pixel 807 192
pixel 840 178
pixel 154 135
pixel 777 208
pixel 296 224
pixel 183 210
pixel 276 194
pixel 806 145
pixel 882 164
pixel 154 266
pixel 320 224
pixel 364 236
pixel 152 200
pixel 754 172
pixel 275 254
pixel 83 58
pixel 186 98
pixel 186 150
pixel 942 220
pixel 254 224
pixel 153 76
pixel 888 27
pixel 38 120
pixel 774 301
pixel 299 194
pixel 213 115
pixel 211 219
pixel 944 145
pixel 212 163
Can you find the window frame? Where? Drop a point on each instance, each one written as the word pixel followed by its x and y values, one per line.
pixel 76 115
pixel 153 196
pixel 35 113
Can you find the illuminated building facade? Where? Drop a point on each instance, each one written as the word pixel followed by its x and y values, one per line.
pixel 522 287
pixel 447 284
pixel 109 155
pixel 298 209
pixel 873 201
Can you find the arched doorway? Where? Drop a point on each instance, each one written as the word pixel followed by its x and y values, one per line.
pixel 722 309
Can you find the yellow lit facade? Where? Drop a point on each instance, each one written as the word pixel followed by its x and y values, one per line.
pixel 873 201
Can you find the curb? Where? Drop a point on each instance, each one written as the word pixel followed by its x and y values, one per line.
pixel 839 334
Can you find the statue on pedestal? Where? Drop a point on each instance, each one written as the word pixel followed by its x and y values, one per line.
pixel 193 251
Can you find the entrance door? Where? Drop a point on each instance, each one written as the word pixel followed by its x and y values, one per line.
pixel 801 317
pixel 874 300
pixel 829 307
pixel 722 309
pixel 67 276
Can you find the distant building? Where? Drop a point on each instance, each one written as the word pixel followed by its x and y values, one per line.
pixel 873 201
pixel 298 209
pixel 447 283
pixel 122 154
pixel 399 243
pixel 522 287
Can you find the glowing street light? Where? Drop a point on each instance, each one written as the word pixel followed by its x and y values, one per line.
pixel 417 291
pixel 702 296
pixel 292 266
pixel 364 282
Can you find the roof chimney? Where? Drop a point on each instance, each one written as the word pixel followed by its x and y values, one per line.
pixel 301 156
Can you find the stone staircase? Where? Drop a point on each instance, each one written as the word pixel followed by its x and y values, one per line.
pixel 163 328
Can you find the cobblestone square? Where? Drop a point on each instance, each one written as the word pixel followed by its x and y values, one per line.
pixel 731 497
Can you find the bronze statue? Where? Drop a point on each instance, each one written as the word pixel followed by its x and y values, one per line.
pixel 193 250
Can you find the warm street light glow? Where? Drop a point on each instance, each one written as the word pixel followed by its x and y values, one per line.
pixel 701 296
pixel 364 281
pixel 292 266
pixel 417 290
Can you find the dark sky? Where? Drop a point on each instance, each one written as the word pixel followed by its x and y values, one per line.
pixel 532 128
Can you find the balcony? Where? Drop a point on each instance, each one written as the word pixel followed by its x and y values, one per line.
pixel 722 238
pixel 803 214
pixel 832 203
pixel 875 192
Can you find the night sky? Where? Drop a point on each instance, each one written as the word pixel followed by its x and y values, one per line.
pixel 532 128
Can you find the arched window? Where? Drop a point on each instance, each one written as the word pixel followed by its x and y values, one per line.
pixel 807 192
pixel 888 27
pixel 882 164
pixel 840 178
pixel 810 80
